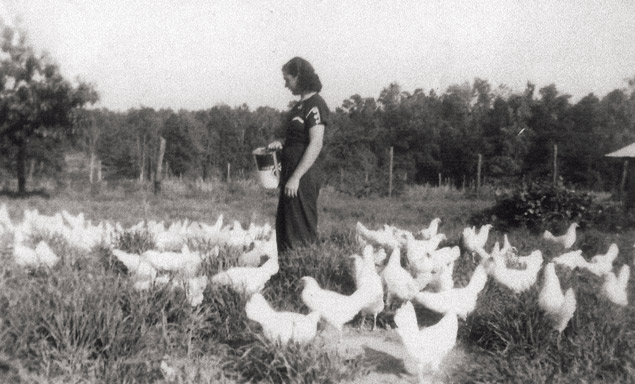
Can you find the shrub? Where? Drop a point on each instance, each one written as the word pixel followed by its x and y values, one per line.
pixel 540 206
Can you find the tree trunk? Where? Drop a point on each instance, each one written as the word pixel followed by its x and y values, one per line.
pixel 21 164
pixel 158 174
pixel 142 162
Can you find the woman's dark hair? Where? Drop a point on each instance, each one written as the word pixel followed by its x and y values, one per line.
pixel 308 80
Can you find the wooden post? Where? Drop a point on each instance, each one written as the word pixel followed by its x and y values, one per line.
pixel 228 172
pixel 390 174
pixel 623 181
pixel 159 173
pixel 478 175
pixel 31 170
pixel 91 167
pixel 555 164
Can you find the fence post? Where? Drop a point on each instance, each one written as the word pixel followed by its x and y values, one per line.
pixel 440 181
pixel 228 172
pixel 478 175
pixel 390 174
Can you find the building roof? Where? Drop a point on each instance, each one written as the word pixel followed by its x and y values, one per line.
pixel 628 151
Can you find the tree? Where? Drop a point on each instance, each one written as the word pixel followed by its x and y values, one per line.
pixel 146 124
pixel 180 152
pixel 36 102
pixel 117 147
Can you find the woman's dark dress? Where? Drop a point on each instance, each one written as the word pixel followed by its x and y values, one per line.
pixel 296 218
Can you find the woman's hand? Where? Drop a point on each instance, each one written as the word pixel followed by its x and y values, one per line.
pixel 275 145
pixel 291 188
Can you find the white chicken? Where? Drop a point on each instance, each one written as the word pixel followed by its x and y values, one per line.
pixel 608 257
pixel 380 256
pixel 335 308
pixel 559 307
pixel 427 346
pixel 419 252
pixel 45 254
pixel 235 236
pixel 599 266
pixel 381 238
pixel 25 256
pixel 439 279
pixel 397 281
pixel 435 271
pixel 516 279
pixel 432 229
pixel 571 259
pixel 205 232
pixel 247 279
pixel 366 278
pixel 136 265
pixel 401 235
pixel 494 255
pixel 74 221
pixel 185 262
pixel 566 240
pixel 261 248
pixel 472 240
pixel 282 327
pixel 602 264
pixel 445 256
pixel 614 287
pixel 172 238
pixel 461 301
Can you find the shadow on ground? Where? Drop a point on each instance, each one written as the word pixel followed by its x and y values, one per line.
pixel 25 195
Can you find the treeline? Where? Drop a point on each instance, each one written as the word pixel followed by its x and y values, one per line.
pixel 435 137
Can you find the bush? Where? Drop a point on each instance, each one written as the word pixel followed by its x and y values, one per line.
pixel 540 206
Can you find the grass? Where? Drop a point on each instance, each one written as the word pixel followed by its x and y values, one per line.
pixel 82 321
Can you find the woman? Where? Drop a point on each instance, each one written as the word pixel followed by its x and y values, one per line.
pixel 296 218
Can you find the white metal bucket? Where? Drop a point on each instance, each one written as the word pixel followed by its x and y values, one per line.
pixel 268 167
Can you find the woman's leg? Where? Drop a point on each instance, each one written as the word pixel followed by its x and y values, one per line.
pixel 296 218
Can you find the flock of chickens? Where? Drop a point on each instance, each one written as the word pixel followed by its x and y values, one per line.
pixel 380 276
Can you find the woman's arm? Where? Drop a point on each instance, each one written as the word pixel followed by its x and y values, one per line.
pixel 316 139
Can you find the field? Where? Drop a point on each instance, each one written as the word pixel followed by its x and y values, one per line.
pixel 83 322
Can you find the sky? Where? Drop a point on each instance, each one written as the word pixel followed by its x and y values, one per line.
pixel 194 54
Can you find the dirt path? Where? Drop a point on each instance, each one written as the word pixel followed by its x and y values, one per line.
pixel 385 356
